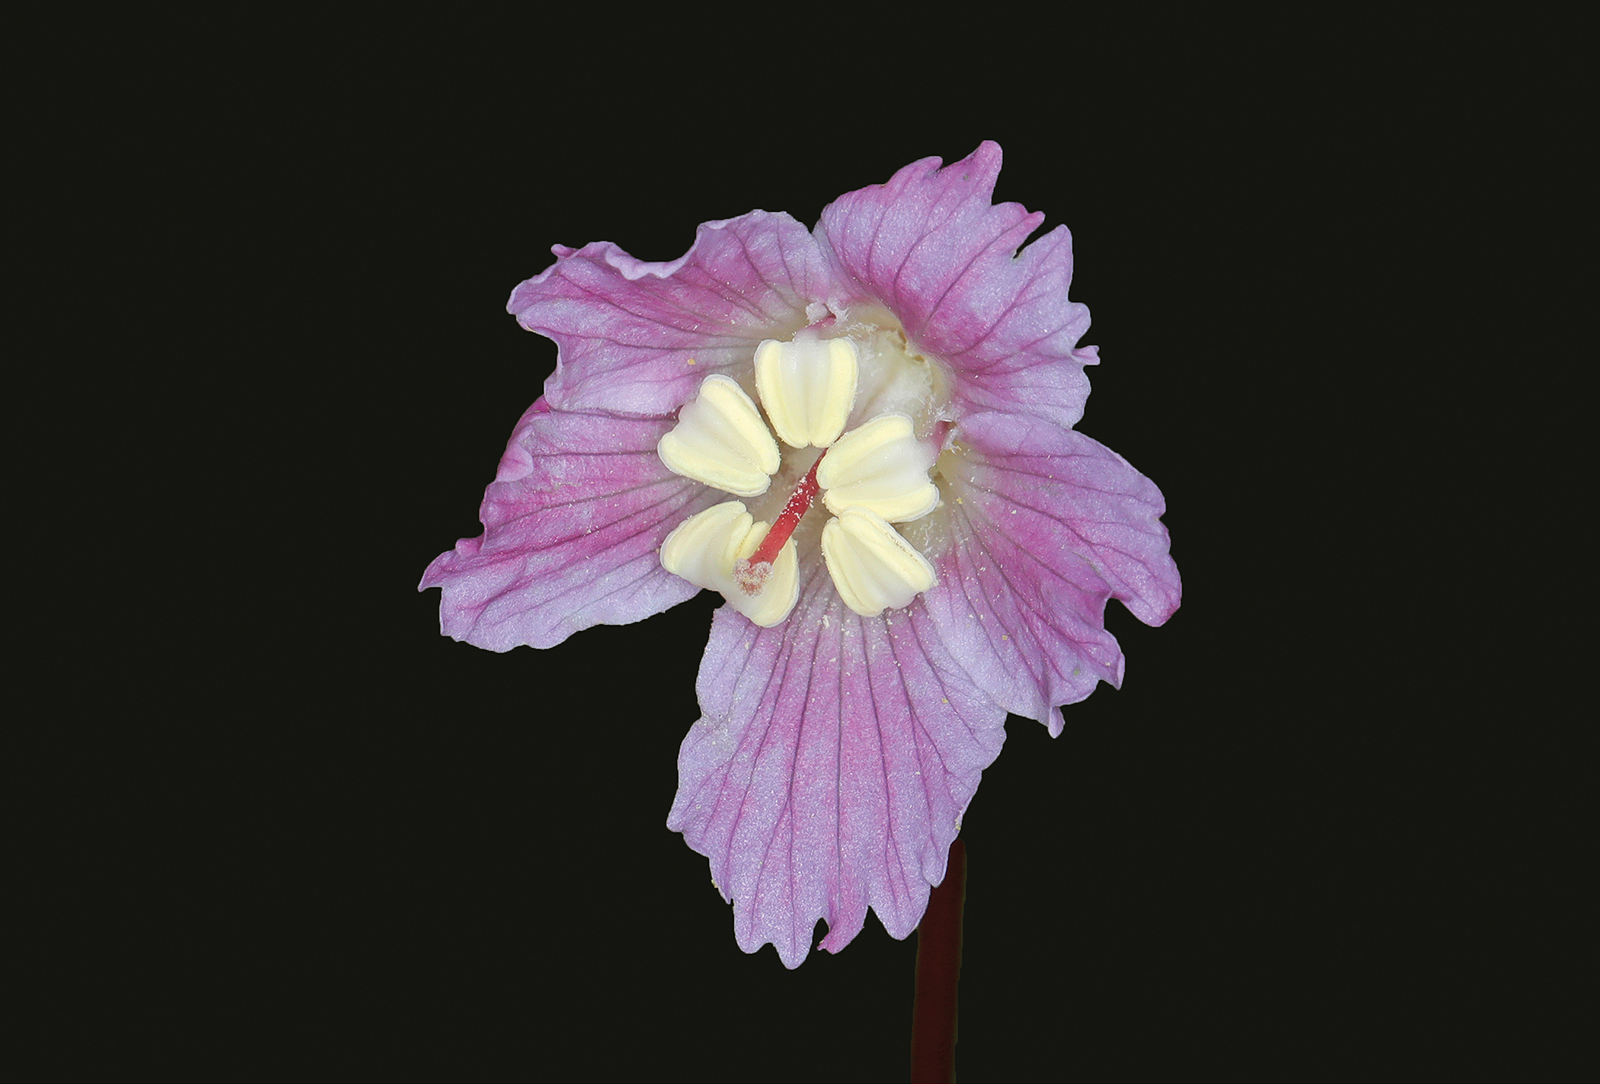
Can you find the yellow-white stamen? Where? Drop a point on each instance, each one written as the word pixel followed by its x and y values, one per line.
pixel 721 441
pixel 808 386
pixel 880 467
pixel 873 568
pixel 705 548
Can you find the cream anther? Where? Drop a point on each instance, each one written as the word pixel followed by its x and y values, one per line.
pixel 808 386
pixel 880 467
pixel 706 549
pixel 721 441
pixel 873 568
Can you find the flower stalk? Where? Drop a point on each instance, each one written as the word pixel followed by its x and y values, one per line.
pixel 933 1014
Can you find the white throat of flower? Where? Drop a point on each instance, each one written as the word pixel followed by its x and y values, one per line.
pixel 870 478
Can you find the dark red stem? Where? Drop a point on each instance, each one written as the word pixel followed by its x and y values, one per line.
pixel 933 1016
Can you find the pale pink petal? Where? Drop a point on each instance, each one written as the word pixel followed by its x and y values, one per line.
pixel 931 248
pixel 572 524
pixel 628 330
pixel 1103 507
pixel 1028 628
pixel 830 769
pixel 1045 525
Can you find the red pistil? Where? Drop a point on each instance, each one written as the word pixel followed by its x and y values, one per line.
pixel 752 572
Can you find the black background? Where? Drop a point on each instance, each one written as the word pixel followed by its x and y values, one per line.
pixel 347 848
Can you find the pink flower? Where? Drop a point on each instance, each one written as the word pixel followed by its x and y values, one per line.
pixel 905 383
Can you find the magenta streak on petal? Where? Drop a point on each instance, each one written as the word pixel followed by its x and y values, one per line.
pixel 829 769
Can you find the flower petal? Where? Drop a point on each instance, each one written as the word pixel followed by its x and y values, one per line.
pixel 637 338
pixel 1046 525
pixel 572 523
pixel 931 248
pixel 1111 512
pixel 830 769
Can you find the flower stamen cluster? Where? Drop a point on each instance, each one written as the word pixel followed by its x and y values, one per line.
pixel 870 478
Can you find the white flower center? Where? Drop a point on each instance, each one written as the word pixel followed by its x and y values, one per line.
pixel 870 478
